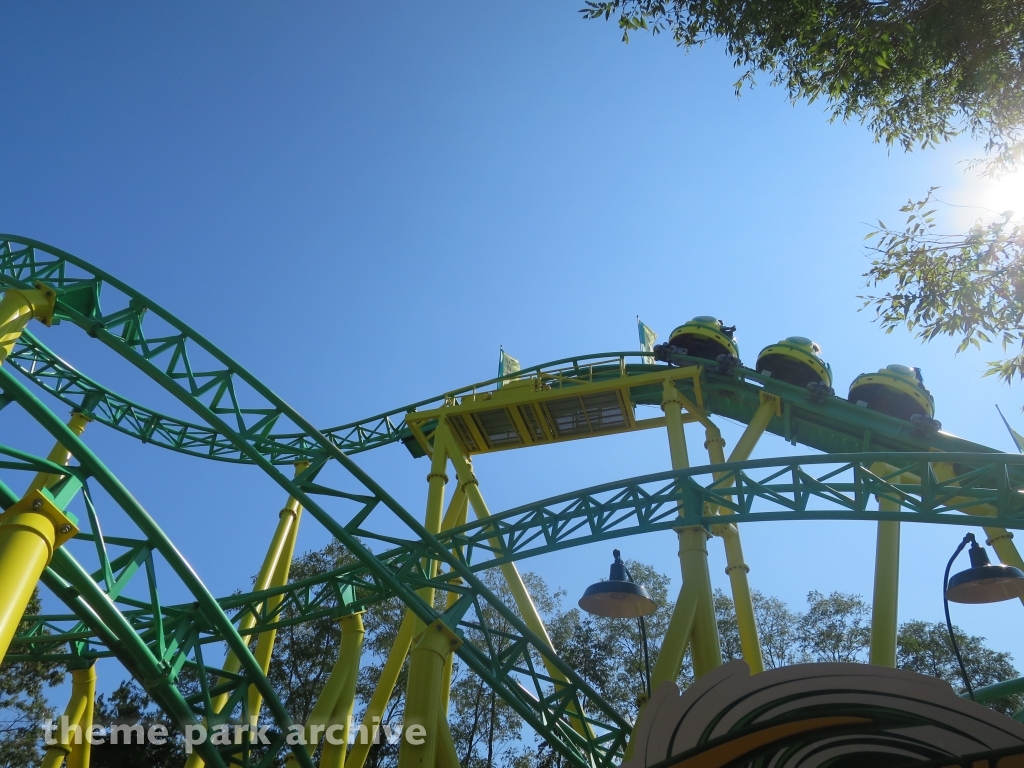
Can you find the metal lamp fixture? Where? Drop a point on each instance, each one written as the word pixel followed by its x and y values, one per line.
pixel 621 598
pixel 981 583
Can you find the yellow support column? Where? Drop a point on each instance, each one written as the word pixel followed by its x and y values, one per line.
pixel 382 692
pixel 333 755
pixel 75 745
pixel 436 481
pixel 999 539
pixel 426 667
pixel 59 454
pixel 29 532
pixel 18 306
pixel 736 567
pixel 265 645
pixel 446 754
pixel 346 670
pixel 693 554
pixel 455 515
pixel 85 681
pixel 885 599
pixel 531 617
pixel 282 547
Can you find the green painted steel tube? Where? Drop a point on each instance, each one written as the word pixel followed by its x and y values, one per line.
pixel 150 671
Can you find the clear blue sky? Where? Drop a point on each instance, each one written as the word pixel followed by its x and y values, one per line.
pixel 360 208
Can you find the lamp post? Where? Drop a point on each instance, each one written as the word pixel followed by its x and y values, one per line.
pixel 621 598
pixel 981 583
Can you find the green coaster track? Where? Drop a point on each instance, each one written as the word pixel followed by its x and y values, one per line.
pixel 110 585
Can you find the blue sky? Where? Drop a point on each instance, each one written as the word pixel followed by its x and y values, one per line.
pixel 360 208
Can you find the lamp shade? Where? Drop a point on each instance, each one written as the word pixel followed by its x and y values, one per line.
pixel 616 599
pixel 986 584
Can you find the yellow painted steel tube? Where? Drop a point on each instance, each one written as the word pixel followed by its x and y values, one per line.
pixel 27 540
pixel 385 687
pixel 26 545
pixel 426 664
pixel 999 539
pixel 736 567
pixel 746 623
pixel 885 600
pixel 693 555
pixel 456 515
pixel 287 527
pixel 80 706
pixel 265 645
pixel 673 648
pixel 84 681
pixel 330 693
pixel 521 595
pixel 59 454
pixel 669 662
pixel 436 481
pixel 18 306
pixel 704 640
pixel 352 632
pixel 446 757
pixel 755 428
pixel 672 407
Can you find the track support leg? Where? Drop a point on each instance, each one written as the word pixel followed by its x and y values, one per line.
pixel 999 539
pixel 73 743
pixel 18 306
pixel 30 530
pixel 352 632
pixel 422 700
pixel 885 599
pixel 273 573
pixel 736 567
pixel 693 553
pixel 455 516
pixel 531 617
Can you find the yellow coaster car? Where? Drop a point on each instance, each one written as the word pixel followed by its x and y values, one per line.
pixel 796 360
pixel 705 337
pixel 896 390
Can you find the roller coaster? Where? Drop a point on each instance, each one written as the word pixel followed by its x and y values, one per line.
pixel 879 456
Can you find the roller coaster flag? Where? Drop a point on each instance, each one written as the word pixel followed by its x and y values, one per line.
pixel 647 339
pixel 1018 438
pixel 506 365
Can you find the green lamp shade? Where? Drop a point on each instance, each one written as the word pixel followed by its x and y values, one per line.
pixel 986 584
pixel 615 599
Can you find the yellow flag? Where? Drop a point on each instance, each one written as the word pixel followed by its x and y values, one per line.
pixel 506 365
pixel 647 339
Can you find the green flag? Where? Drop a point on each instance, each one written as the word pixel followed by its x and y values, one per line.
pixel 647 339
pixel 506 365
pixel 1018 438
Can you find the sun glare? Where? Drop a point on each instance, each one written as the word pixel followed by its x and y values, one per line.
pixel 1002 194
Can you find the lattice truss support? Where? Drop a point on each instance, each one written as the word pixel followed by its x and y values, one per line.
pixel 51 532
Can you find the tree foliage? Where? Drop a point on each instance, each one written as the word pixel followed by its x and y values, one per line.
pixel 23 705
pixel 915 71
pixel 130 704
pixel 606 652
pixel 967 286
